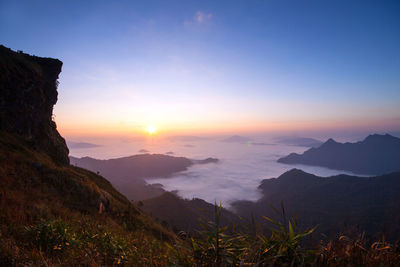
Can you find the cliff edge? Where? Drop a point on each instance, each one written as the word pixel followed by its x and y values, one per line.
pixel 28 92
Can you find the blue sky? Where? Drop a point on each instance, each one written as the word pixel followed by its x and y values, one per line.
pixel 203 66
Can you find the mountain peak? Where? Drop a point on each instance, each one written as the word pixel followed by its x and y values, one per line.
pixel 386 136
pixel 331 141
pixel 295 174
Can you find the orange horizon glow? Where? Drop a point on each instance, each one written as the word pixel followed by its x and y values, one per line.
pixel 219 127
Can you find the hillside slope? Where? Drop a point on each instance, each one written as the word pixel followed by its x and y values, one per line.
pixel 35 190
pixel 183 214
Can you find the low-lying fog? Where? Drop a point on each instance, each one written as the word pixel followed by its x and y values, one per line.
pixel 236 177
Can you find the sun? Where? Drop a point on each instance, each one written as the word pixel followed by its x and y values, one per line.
pixel 151 129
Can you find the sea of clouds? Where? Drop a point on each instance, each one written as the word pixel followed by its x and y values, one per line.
pixel 237 175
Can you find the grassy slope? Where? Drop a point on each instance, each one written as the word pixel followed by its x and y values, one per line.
pixel 184 214
pixel 31 193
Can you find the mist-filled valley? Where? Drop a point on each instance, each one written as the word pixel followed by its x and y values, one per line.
pixel 250 178
pixel 241 165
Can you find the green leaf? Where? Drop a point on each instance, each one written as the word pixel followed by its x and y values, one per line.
pixel 291 232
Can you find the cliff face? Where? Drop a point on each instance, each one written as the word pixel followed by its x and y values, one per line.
pixel 28 92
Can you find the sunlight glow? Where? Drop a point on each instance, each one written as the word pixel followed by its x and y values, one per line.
pixel 151 129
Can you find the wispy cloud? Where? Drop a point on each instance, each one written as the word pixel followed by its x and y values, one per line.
pixel 200 18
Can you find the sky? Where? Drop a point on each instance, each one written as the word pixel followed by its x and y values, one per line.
pixel 198 67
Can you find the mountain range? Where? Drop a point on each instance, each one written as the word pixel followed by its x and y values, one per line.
pixel 376 154
pixel 81 145
pixel 127 174
pixel 300 141
pixel 236 139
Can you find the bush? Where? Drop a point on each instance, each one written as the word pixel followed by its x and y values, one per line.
pixel 111 248
pixel 51 236
pixel 345 251
pixel 281 247
pixel 218 247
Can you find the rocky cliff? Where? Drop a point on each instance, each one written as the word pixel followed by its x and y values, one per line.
pixel 28 92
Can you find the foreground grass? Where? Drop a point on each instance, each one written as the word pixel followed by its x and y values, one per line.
pixel 56 242
pixel 283 245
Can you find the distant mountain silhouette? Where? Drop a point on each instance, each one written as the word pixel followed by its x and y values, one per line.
pixel 300 141
pixel 78 145
pixel 188 145
pixel 137 166
pixel 262 144
pixel 143 151
pixel 334 203
pixel 127 174
pixel 236 139
pixel 205 161
pixel 186 138
pixel 376 154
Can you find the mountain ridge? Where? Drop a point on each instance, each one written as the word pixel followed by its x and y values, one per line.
pixel 376 154
pixel 128 174
pixel 336 203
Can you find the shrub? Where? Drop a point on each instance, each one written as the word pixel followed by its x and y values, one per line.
pixel 111 248
pixel 345 251
pixel 51 236
pixel 216 246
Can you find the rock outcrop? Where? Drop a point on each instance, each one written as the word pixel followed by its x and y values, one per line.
pixel 28 92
